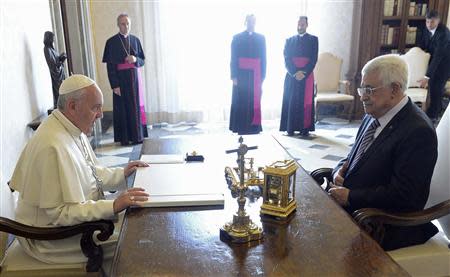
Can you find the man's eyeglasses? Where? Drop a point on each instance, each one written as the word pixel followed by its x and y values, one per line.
pixel 368 90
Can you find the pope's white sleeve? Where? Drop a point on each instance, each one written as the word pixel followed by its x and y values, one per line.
pixel 113 178
pixel 71 214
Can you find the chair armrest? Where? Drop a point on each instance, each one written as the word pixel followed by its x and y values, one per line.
pixel 346 85
pixel 323 173
pixel 92 251
pixel 373 220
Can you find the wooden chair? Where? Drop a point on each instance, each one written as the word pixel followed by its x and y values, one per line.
pixel 433 257
pixel 17 263
pixel 417 61
pixel 329 88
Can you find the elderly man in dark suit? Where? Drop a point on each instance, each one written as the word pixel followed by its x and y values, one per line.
pixel 436 41
pixel 392 160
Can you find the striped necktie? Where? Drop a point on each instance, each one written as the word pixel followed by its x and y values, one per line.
pixel 366 140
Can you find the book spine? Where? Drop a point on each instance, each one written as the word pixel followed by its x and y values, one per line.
pixel 412 6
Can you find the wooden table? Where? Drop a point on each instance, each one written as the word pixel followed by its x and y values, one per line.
pixel 320 240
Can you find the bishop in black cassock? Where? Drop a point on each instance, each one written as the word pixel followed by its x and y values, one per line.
pixel 124 56
pixel 300 56
pixel 248 70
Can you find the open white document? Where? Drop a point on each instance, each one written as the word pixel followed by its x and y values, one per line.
pixel 163 159
pixel 182 184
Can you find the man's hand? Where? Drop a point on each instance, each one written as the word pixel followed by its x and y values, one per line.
pixel 340 194
pixel 132 166
pixel 131 197
pixel 131 59
pixel 299 75
pixel 117 91
pixel 423 83
pixel 339 177
pixel 234 81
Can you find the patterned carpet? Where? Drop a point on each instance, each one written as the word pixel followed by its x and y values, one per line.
pixel 323 148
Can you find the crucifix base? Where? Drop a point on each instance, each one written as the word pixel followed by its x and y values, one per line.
pixel 241 230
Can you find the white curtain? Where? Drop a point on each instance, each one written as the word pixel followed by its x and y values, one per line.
pixel 187 46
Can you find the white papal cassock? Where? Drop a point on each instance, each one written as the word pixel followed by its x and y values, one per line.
pixel 57 188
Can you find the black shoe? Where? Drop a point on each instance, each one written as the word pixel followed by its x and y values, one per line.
pixel 304 133
pixel 291 134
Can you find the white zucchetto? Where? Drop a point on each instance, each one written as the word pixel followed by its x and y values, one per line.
pixel 74 83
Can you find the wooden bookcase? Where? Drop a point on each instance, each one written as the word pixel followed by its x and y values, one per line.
pixel 373 17
pixel 403 21
pixel 376 19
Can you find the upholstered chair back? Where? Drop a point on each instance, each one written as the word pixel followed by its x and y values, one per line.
pixel 327 72
pixel 440 183
pixel 417 61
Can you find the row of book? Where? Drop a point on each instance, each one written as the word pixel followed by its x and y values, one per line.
pixel 411 35
pixel 393 7
pixel 417 9
pixel 389 35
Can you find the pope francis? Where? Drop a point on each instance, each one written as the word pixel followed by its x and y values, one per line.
pixel 59 179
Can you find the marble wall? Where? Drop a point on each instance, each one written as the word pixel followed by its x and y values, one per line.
pixel 104 25
pixel 332 22
pixel 25 84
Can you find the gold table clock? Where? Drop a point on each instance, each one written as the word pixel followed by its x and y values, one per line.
pixel 279 189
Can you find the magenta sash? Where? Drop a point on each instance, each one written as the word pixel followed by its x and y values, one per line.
pixel 309 92
pixel 125 66
pixel 255 65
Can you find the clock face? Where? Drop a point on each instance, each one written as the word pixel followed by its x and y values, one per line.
pixel 274 189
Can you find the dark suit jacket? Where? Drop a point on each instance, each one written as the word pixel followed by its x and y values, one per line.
pixel 438 46
pixel 395 173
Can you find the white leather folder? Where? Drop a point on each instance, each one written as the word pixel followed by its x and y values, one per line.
pixel 182 184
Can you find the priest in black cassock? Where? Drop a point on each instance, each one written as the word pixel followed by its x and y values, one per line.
pixel 248 70
pixel 300 57
pixel 124 56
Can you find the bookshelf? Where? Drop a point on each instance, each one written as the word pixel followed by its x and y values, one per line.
pixel 390 26
pixel 402 23
pixel 394 26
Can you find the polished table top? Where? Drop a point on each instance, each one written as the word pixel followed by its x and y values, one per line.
pixel 320 240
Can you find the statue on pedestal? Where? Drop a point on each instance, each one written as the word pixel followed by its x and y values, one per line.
pixel 55 64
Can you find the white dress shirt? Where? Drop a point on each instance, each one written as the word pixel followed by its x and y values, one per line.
pixel 384 120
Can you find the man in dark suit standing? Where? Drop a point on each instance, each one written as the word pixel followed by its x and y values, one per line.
pixel 436 41
pixel 392 160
